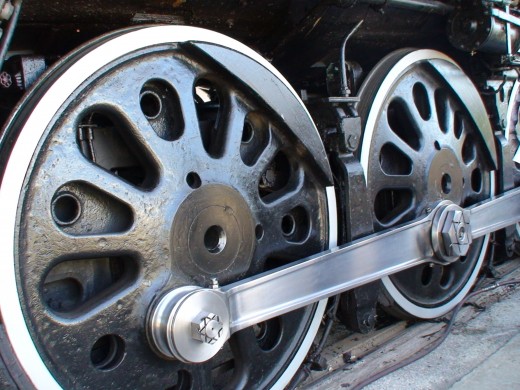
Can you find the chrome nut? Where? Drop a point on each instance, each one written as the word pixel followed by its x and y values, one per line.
pixel 207 327
pixel 456 233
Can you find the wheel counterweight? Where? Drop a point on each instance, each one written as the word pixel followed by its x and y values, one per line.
pixel 144 164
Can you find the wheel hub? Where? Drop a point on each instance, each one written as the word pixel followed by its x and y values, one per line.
pixel 445 179
pixel 213 233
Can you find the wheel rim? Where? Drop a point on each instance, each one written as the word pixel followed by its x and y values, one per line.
pixel 97 213
pixel 421 146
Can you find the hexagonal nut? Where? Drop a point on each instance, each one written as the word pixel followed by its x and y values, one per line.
pixel 352 142
pixel 456 234
pixel 207 327
pixel 461 250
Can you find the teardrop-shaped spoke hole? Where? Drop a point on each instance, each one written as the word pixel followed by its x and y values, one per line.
pixel 222 374
pixel 275 178
pixel 184 381
pixel 402 123
pixel 446 183
pixel 447 275
pixel 420 98
pixel 160 105
pixel 74 286
pixel 476 180
pixel 259 232
pixel 458 124
pixel 468 149
pixel 390 204
pixel 441 106
pixel 426 275
pixel 248 133
pixel 268 333
pixel 104 139
pixel 393 161
pixel 208 102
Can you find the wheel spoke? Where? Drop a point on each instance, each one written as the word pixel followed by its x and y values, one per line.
pixel 289 198
pixel 392 137
pixel 109 316
pixel 284 248
pixel 245 350
pixel 192 130
pixel 67 246
pixel 85 171
pixel 385 181
pixel 233 125
pixel 142 132
pixel 201 378
pixel 413 111
pixel 267 155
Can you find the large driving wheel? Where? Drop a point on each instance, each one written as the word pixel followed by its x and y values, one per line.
pixel 148 160
pixel 426 139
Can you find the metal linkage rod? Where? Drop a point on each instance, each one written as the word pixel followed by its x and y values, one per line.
pixel 192 323
pixel 498 213
pixel 320 276
pixel 329 273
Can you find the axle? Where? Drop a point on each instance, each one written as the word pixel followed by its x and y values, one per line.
pixel 192 323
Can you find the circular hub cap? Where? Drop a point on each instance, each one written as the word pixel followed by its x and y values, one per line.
pixel 213 233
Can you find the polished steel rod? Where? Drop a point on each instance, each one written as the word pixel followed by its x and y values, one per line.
pixel 273 293
pixel 328 273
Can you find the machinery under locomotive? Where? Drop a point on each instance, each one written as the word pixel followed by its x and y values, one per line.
pixel 185 184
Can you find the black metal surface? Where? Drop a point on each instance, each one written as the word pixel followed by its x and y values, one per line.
pixel 315 40
pixel 474 29
pixel 110 220
pixel 424 149
pixel 275 96
pixel 26 70
pixel 357 308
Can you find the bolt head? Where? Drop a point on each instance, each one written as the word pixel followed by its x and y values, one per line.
pixel 353 142
pixel 5 80
pixel 456 233
pixel 207 327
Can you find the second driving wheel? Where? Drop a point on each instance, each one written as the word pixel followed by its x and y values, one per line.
pixel 426 139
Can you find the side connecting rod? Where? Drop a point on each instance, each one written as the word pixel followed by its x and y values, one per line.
pixel 497 213
pixel 183 320
pixel 326 274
